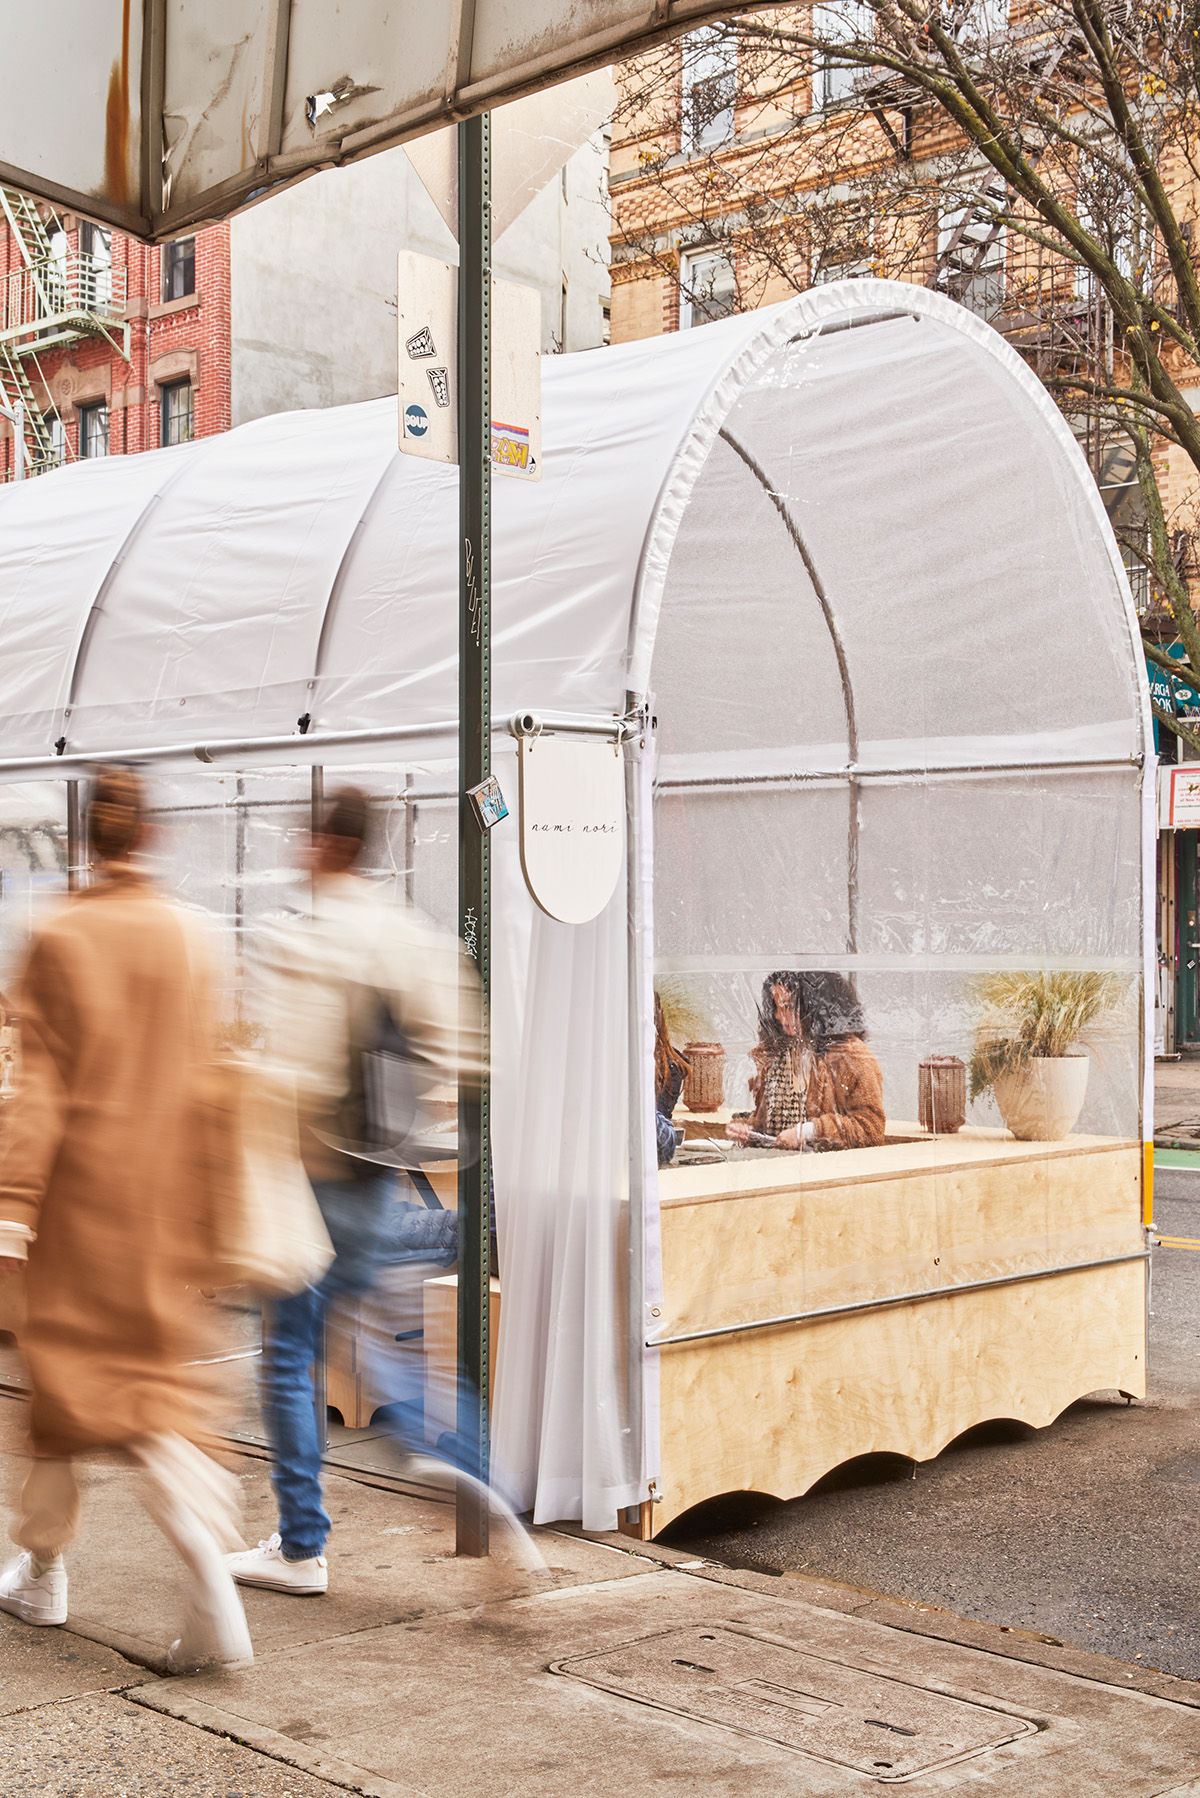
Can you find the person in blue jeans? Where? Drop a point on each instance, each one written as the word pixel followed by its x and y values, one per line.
pixel 325 980
pixel 355 1213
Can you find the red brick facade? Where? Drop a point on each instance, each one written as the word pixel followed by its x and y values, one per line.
pixel 187 338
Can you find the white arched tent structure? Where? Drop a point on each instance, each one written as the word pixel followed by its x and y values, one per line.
pixel 851 549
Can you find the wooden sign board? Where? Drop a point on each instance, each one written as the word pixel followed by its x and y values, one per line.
pixel 427 308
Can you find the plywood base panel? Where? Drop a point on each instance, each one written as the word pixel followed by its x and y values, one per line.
pixel 774 1410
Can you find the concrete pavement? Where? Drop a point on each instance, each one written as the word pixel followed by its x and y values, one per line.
pixel 588 1667
pixel 1177 1102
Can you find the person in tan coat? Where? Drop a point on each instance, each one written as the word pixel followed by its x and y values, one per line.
pixel 102 1197
pixel 816 1085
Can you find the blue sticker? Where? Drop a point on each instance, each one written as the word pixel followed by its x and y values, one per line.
pixel 416 421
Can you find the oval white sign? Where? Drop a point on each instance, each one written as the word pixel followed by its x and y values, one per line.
pixel 572 824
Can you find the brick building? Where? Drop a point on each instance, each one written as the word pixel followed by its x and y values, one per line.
pixel 112 346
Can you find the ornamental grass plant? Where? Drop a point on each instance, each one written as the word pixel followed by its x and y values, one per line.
pixel 1030 1016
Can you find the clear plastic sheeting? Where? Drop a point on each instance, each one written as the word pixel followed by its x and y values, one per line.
pixel 843 543
pixel 33 866
pixel 870 766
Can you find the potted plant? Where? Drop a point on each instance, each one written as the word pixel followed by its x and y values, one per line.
pixel 1026 1051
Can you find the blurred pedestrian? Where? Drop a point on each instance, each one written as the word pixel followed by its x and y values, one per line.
pixel 102 1198
pixel 358 972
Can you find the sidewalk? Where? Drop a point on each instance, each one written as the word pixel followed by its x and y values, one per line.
pixel 1177 1102
pixel 598 1667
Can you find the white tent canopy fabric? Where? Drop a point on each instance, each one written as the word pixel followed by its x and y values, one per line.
pixel 852 549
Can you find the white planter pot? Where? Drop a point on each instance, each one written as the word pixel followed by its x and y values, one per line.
pixel 1040 1103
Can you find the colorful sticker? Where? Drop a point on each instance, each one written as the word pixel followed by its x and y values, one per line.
pixel 510 446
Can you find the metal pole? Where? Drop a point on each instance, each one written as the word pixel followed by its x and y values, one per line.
pixel 639 1073
pixel 410 841
pixel 76 857
pixel 320 1380
pixel 474 765
pixel 15 415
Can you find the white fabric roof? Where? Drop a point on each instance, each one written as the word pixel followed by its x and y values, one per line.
pixel 300 564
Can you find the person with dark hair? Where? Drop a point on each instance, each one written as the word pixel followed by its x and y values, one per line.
pixel 817 1085
pixel 103 1199
pixel 330 983
pixel 670 1072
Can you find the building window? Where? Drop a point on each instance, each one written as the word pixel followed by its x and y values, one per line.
pixel 845 23
pixel 95 267
pixel 51 275
pixel 177 413
pixel 93 429
pixel 1137 569
pixel 973 251
pixel 707 288
pixel 708 87
pixel 981 20
pixel 179 269
pixel 55 435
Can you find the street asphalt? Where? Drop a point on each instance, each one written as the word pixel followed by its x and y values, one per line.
pixel 1085 1532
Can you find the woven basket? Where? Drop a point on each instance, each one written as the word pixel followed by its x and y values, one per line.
pixel 704 1088
pixel 942 1094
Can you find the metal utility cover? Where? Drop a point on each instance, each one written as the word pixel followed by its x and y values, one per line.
pixel 857 1717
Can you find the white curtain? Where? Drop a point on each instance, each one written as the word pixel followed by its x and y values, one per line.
pixel 562 1445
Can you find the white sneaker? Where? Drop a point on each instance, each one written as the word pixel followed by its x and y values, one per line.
pixel 40 1598
pixel 188 1656
pixel 265 1566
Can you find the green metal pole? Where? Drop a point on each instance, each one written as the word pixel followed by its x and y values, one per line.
pixel 474 765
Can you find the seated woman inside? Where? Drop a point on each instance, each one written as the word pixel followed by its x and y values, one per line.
pixel 816 1085
pixel 670 1072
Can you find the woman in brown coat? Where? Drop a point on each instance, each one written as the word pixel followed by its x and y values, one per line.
pixel 817 1084
pixel 102 1194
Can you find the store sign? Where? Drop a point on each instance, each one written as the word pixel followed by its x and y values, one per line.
pixel 427 306
pixel 1179 797
pixel 1162 687
pixel 1186 699
pixel 572 824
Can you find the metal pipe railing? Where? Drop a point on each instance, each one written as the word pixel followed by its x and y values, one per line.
pixel 303 749
pixel 822 1312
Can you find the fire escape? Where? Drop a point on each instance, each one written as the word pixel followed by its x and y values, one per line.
pixel 54 298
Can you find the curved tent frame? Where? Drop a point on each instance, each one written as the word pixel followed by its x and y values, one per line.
pixel 285 596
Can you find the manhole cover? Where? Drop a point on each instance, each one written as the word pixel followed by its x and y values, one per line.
pixel 873 1722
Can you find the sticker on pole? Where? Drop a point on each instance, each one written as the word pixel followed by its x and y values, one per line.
pixel 572 824
pixel 488 803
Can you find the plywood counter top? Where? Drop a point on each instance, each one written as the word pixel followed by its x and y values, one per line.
pixel 790 1171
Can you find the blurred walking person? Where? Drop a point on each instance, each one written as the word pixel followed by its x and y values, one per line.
pixel 360 971
pixel 102 1195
